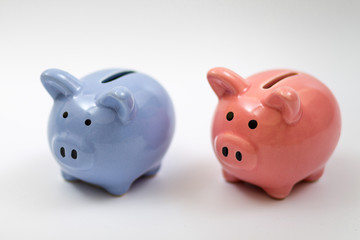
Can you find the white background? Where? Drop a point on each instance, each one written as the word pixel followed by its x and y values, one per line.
pixel 176 42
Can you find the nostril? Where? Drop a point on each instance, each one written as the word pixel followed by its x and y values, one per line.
pixel 74 154
pixel 225 151
pixel 62 152
pixel 238 156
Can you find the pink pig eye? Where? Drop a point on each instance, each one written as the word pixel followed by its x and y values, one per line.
pixel 230 116
pixel 252 124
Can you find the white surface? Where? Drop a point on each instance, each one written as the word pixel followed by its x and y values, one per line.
pixel 177 42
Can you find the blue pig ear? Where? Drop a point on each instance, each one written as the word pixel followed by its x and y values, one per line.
pixel 121 100
pixel 58 82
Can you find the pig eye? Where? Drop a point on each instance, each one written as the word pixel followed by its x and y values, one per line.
pixel 230 116
pixel 65 114
pixel 252 124
pixel 87 122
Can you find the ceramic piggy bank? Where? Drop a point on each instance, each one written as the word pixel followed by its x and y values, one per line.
pixel 108 128
pixel 274 128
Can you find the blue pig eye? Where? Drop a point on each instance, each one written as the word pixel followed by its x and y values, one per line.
pixel 87 122
pixel 65 114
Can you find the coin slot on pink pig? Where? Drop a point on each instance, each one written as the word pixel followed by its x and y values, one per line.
pixel 277 79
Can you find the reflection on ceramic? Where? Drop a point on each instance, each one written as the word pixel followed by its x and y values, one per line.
pixel 108 128
pixel 274 128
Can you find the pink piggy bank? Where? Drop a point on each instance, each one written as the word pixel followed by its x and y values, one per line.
pixel 273 129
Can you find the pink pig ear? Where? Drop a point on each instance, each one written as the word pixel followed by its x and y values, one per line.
pixel 225 82
pixel 287 101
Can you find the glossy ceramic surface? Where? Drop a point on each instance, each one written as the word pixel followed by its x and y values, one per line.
pixel 274 128
pixel 108 128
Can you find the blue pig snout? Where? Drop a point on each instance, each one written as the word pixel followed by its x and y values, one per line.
pixel 73 152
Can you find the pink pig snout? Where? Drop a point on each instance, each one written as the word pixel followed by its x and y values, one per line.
pixel 235 152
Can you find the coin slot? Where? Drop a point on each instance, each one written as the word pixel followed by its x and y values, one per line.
pixel 116 76
pixel 273 81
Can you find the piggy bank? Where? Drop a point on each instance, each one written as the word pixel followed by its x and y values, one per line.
pixel 273 129
pixel 108 128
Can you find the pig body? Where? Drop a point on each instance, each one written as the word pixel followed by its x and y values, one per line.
pixel 274 128
pixel 108 128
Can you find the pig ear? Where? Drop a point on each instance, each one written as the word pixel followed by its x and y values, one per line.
pixel 58 82
pixel 226 82
pixel 121 100
pixel 287 101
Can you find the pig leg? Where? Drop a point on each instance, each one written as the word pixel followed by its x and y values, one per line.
pixel 315 176
pixel 68 177
pixel 230 178
pixel 118 190
pixel 279 193
pixel 152 172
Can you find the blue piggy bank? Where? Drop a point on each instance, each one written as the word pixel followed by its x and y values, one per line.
pixel 108 128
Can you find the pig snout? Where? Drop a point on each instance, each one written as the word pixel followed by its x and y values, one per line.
pixel 73 152
pixel 235 151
